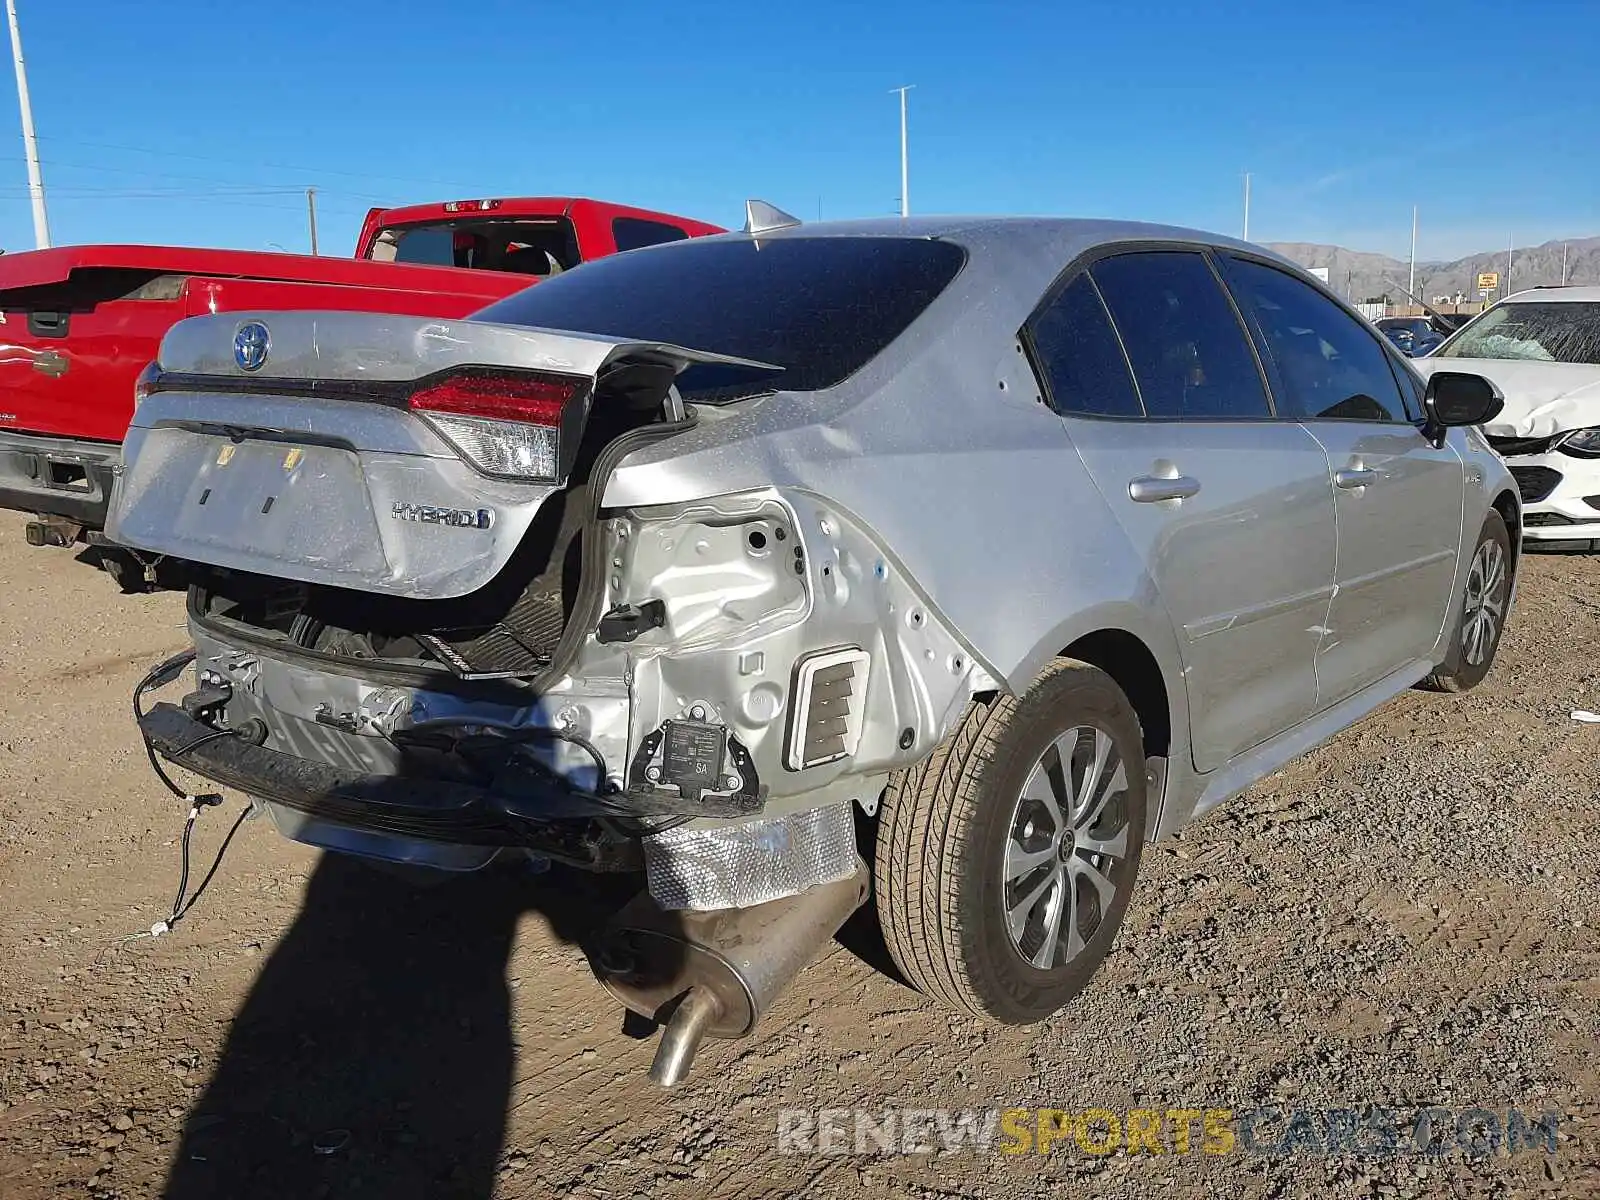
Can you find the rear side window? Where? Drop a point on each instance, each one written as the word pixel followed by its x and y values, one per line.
pixel 635 233
pixel 1188 351
pixel 1331 365
pixel 1077 353
pixel 820 308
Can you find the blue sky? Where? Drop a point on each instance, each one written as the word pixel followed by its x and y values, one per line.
pixel 202 123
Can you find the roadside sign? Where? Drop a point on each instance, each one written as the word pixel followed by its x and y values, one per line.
pixel 1488 280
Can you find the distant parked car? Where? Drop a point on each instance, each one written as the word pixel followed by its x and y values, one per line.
pixel 1542 347
pixel 1414 336
pixel 1033 539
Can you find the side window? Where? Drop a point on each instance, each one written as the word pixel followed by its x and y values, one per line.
pixel 635 233
pixel 1331 364
pixel 1413 394
pixel 1076 351
pixel 1189 354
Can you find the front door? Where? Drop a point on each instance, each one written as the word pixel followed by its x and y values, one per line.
pixel 1399 500
pixel 1399 503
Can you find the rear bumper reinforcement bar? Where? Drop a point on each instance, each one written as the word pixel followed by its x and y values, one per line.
pixel 409 806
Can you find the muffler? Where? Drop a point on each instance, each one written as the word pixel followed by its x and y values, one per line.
pixel 715 973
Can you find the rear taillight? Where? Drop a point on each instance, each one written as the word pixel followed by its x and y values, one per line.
pixel 509 425
pixel 471 205
pixel 146 383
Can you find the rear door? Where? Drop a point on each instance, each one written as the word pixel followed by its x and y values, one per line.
pixel 1231 508
pixel 1399 498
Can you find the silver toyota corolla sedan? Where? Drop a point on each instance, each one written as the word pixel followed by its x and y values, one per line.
pixel 982 550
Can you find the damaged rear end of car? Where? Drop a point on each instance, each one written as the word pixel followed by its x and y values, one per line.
pixel 422 636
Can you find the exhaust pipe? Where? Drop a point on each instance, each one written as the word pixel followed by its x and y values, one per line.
pixel 714 974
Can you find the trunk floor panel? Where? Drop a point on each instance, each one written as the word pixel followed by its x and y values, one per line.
pixel 522 641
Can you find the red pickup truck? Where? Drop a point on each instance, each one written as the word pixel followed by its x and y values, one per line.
pixel 79 323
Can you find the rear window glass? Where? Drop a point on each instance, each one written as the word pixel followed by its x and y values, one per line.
pixel 525 247
pixel 820 308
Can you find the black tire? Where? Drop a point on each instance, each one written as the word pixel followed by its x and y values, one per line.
pixel 1470 658
pixel 947 829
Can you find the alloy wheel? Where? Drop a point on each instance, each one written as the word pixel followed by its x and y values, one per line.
pixel 1485 603
pixel 1066 852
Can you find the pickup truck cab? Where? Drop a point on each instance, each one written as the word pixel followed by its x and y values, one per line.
pixel 79 323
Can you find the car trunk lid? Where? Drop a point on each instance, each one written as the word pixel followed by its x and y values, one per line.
pixel 316 463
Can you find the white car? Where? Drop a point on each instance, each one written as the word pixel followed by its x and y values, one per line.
pixel 1542 347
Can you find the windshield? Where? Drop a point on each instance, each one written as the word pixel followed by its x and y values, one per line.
pixel 819 307
pixel 1566 332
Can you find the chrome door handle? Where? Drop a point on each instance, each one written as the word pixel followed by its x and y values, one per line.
pixel 1148 489
pixel 1354 477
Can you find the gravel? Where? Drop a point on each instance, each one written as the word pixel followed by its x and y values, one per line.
pixel 1405 918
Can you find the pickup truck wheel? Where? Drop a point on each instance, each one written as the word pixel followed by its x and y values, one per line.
pixel 1006 859
pixel 1481 616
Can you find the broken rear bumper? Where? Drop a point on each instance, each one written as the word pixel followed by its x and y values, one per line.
pixel 414 819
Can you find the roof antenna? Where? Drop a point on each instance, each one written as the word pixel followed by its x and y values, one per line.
pixel 761 217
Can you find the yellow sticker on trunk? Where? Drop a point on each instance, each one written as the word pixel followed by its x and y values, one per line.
pixel 292 459
pixel 225 455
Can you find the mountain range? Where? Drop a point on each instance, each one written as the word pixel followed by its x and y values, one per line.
pixel 1362 276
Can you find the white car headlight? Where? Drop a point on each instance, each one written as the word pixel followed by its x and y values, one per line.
pixel 1583 443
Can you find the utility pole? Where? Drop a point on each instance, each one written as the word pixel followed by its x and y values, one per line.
pixel 41 223
pixel 1413 285
pixel 905 172
pixel 1563 264
pixel 311 212
pixel 1246 236
pixel 1511 242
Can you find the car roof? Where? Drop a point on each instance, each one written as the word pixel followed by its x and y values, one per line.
pixel 1020 254
pixel 1556 295
pixel 1017 229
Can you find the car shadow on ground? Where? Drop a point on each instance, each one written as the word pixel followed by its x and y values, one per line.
pixel 128 574
pixel 373 1056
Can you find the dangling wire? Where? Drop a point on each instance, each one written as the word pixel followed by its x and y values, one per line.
pixel 160 676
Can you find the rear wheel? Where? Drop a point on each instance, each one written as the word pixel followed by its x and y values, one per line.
pixel 1481 617
pixel 1006 860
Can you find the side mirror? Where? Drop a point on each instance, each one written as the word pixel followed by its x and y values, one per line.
pixel 1456 398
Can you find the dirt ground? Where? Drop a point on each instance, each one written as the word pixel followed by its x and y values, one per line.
pixel 1405 918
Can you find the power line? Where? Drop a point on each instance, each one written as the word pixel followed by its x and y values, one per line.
pixel 142 171
pixel 220 201
pixel 301 169
pixel 153 190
